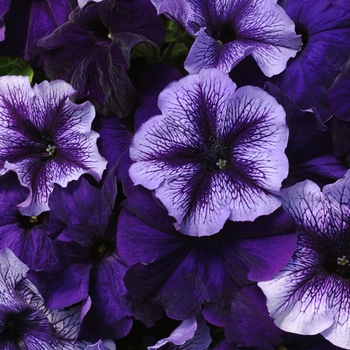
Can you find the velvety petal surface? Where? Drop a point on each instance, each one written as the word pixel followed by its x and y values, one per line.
pixel 324 26
pixel 187 275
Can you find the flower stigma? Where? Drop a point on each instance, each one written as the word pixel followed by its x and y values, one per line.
pixel 51 149
pixel 33 219
pixel 221 163
pixel 342 261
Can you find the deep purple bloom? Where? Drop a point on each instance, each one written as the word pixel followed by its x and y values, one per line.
pixel 28 237
pixel 92 50
pixel 213 154
pixel 324 26
pixel 228 31
pixel 24 319
pixel 191 334
pixel 191 275
pixel 89 267
pixel 45 138
pixel 311 294
pixel 23 22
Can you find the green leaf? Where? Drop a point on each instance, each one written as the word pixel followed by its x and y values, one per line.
pixel 15 66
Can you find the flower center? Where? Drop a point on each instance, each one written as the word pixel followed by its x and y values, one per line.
pixel 101 249
pixel 221 163
pixel 50 152
pixel 216 156
pixel 339 266
pixel 222 35
pixel 300 29
pixel 29 222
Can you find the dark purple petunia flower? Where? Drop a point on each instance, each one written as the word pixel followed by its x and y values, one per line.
pixel 190 275
pixel 92 50
pixel 191 334
pixel 23 22
pixel 25 322
pixel 28 237
pixel 324 26
pixel 89 266
pixel 228 31
pixel 45 138
pixel 213 154
pixel 311 294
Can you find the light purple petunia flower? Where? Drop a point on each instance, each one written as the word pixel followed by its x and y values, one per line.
pixel 214 153
pixel 25 322
pixel 228 31
pixel 311 294
pixel 45 138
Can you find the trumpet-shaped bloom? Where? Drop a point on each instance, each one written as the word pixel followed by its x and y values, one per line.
pixel 45 138
pixel 228 31
pixel 311 294
pixel 214 153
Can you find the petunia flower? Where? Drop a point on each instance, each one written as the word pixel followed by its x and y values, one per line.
pixel 89 265
pixel 45 138
pixel 228 31
pixel 311 294
pixel 24 319
pixel 213 154
pixel 22 23
pixel 91 51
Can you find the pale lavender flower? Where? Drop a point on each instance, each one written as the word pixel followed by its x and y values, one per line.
pixel 45 138
pixel 214 153
pixel 311 294
pixel 229 30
